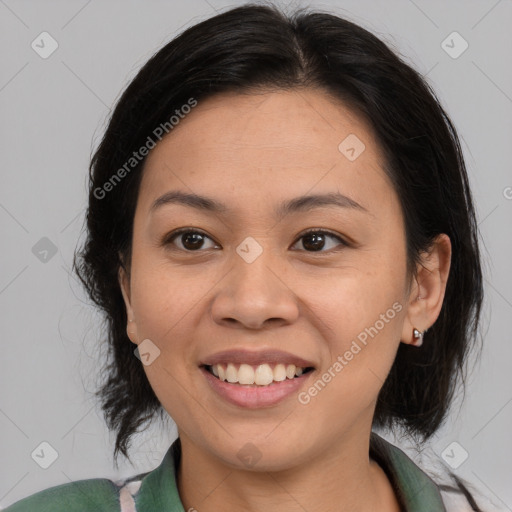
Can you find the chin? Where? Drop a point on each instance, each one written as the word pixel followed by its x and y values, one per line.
pixel 260 453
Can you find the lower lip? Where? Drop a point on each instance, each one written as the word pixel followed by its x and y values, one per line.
pixel 255 397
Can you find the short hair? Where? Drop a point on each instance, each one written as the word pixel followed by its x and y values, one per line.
pixel 259 48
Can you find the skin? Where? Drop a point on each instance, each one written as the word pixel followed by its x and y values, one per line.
pixel 252 152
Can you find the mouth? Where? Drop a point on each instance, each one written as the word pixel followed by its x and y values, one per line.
pixel 262 375
pixel 260 386
pixel 256 379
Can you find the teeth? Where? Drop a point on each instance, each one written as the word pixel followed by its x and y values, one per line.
pixel 261 375
pixel 245 374
pixel 279 373
pixel 231 373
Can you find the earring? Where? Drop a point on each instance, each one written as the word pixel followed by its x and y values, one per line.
pixel 417 337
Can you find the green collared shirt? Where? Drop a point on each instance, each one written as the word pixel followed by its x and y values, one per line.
pixel 156 491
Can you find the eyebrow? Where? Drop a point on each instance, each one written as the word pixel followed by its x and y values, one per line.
pixel 297 204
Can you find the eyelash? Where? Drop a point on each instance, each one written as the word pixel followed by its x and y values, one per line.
pixel 168 239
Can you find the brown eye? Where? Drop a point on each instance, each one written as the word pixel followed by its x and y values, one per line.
pixel 189 239
pixel 316 240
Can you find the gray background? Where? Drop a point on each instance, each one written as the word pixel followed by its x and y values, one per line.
pixel 53 112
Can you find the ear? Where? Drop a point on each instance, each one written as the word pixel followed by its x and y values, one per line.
pixel 428 289
pixel 124 283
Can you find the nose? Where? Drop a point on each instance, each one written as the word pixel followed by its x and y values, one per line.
pixel 253 295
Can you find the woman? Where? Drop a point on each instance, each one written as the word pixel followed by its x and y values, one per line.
pixel 282 237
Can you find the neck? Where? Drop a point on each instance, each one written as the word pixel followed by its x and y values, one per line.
pixel 340 478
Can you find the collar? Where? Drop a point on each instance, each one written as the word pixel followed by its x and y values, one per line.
pixel 415 490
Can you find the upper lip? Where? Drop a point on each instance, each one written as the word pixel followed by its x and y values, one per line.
pixel 269 356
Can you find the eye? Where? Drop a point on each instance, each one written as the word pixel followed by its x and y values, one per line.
pixel 190 239
pixel 315 240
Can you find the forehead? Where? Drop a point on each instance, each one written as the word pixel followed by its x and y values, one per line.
pixel 279 142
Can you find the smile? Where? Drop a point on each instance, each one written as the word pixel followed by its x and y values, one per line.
pixel 265 385
pixel 259 375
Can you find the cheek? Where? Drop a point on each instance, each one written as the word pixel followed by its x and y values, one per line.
pixel 352 298
pixel 164 306
pixel 364 323
pixel 362 313
pixel 163 296
pixel 362 346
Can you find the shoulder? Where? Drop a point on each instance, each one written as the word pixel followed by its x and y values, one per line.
pixel 92 495
pixel 152 490
pixel 421 491
pixel 443 487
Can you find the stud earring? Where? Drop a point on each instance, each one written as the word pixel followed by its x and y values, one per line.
pixel 417 337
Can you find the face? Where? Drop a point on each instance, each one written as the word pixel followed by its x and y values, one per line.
pixel 249 277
